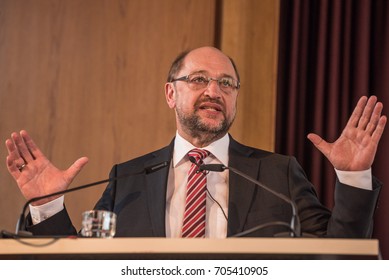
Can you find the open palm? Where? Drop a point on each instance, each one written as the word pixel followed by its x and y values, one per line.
pixel 33 172
pixel 356 147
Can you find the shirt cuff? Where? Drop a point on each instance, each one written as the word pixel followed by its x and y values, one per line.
pixel 358 179
pixel 42 212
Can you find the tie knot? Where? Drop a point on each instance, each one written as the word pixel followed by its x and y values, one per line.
pixel 198 154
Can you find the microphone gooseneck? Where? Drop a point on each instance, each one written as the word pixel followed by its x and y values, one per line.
pixel 294 226
pixel 146 170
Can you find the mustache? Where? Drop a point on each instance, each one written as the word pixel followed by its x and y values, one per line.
pixel 208 100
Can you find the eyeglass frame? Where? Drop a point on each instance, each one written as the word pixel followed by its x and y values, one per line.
pixel 209 79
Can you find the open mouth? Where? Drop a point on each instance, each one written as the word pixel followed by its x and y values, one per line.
pixel 211 107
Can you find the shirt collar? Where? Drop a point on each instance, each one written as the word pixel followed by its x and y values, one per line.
pixel 219 149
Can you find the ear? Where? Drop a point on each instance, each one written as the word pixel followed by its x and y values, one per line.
pixel 170 94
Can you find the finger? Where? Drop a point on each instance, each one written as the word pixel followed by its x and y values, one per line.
pixel 15 164
pixel 11 148
pixel 30 144
pixel 376 136
pixel 357 113
pixel 320 143
pixel 12 168
pixel 374 119
pixel 75 168
pixel 13 153
pixel 367 112
pixel 21 147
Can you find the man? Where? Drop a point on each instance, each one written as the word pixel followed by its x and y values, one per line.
pixel 202 89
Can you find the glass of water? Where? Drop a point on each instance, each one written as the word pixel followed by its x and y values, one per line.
pixel 98 223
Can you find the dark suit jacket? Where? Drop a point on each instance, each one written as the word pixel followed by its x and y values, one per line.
pixel 139 201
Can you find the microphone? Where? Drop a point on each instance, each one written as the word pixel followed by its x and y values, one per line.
pixel 146 170
pixel 294 225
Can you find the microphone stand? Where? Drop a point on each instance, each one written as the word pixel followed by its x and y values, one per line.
pixel 147 170
pixel 294 226
pixel 295 221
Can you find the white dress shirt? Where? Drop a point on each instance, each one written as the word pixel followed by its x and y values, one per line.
pixel 217 185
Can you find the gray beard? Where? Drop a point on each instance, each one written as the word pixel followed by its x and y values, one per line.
pixel 193 126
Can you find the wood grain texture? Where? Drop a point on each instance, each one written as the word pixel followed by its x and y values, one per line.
pixel 250 36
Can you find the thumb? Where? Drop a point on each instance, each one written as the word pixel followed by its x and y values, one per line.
pixel 75 168
pixel 320 143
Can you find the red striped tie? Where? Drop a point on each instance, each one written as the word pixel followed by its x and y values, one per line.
pixel 194 215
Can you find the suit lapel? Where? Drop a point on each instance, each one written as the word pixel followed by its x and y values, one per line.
pixel 156 185
pixel 240 190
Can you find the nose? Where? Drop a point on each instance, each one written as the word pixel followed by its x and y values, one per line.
pixel 213 89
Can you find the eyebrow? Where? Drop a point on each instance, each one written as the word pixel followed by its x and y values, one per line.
pixel 205 72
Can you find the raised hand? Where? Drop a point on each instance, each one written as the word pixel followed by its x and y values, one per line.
pixel 356 147
pixel 34 173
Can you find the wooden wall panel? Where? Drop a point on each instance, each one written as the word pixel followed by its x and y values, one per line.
pixel 250 36
pixel 86 78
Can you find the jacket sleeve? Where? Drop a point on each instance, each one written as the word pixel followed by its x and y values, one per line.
pixel 351 216
pixel 57 225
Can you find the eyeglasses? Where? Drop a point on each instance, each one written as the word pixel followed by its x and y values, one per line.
pixel 199 81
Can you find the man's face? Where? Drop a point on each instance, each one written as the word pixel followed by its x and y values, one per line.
pixel 207 112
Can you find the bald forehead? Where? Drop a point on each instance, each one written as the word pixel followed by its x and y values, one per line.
pixel 209 60
pixel 207 51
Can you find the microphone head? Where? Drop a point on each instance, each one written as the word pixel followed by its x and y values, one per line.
pixel 193 160
pixel 156 167
pixel 208 167
pixel 213 167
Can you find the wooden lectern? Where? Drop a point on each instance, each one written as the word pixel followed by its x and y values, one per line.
pixel 166 248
